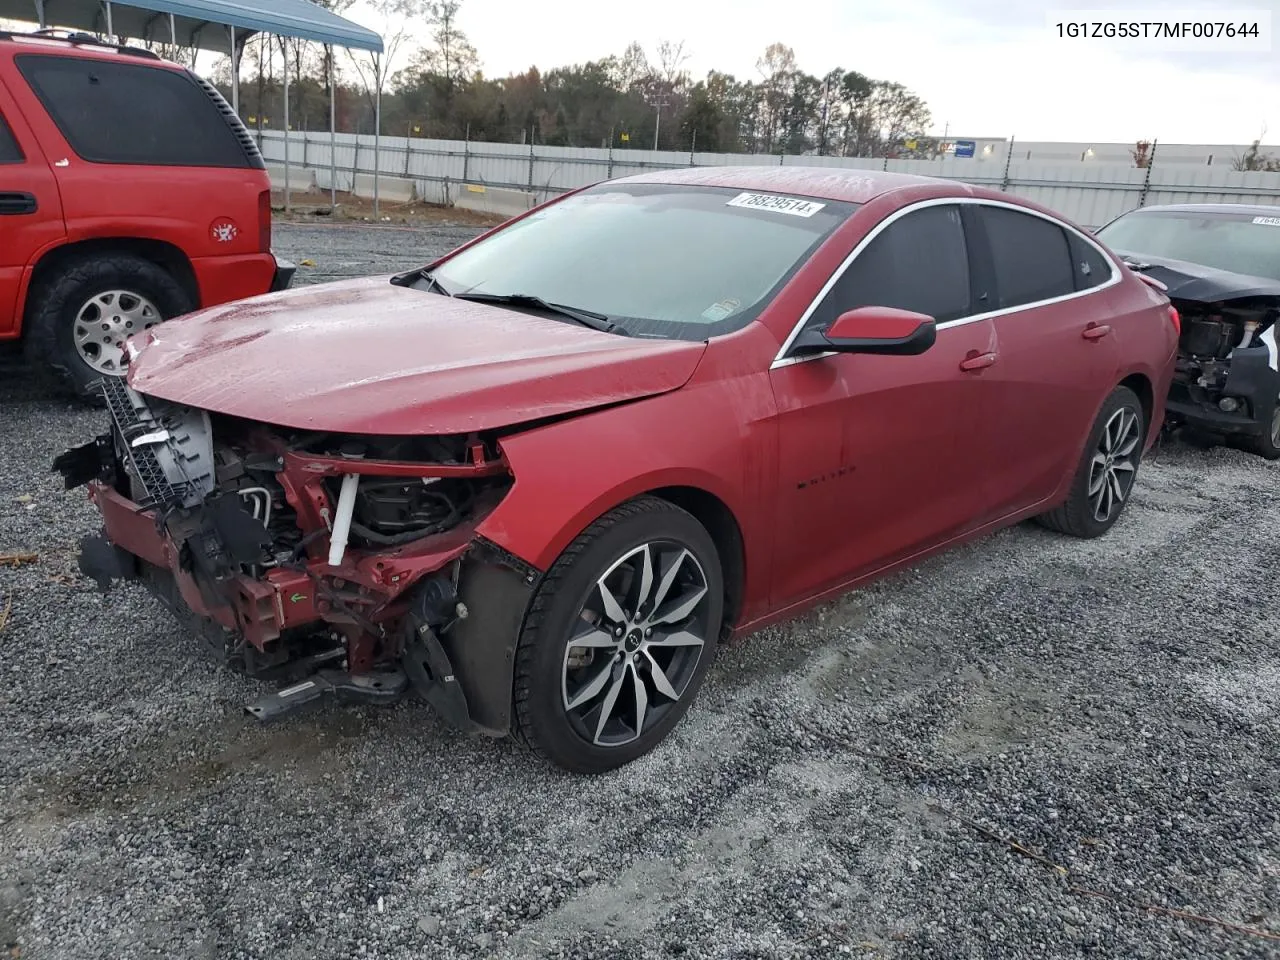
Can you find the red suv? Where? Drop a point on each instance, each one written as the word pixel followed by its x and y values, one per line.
pixel 130 192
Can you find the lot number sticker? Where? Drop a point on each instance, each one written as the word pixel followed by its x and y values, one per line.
pixel 764 201
pixel 1269 221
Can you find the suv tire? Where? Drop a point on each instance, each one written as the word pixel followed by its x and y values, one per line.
pixel 57 304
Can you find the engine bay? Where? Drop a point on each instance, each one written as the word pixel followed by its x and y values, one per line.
pixel 289 546
pixel 1213 334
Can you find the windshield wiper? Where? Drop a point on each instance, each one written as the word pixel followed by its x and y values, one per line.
pixel 412 277
pixel 588 318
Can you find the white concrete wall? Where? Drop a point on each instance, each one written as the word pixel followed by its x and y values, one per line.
pixel 496 200
pixel 1090 193
pixel 300 180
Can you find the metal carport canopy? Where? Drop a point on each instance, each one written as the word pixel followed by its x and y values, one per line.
pixel 221 26
pixel 195 22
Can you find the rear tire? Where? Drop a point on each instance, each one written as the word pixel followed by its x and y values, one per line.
pixel 645 641
pixel 1108 469
pixel 120 291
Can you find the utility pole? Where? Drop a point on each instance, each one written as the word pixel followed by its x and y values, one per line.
pixel 657 100
pixel 657 120
pixel 826 101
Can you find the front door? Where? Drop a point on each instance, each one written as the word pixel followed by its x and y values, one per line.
pixel 875 452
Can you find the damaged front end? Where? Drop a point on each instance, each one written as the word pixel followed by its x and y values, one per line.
pixel 1226 376
pixel 329 563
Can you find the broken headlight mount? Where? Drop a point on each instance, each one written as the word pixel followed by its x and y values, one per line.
pixel 166 455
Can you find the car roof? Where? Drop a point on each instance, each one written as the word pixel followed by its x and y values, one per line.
pixel 80 44
pixel 847 184
pixel 1265 209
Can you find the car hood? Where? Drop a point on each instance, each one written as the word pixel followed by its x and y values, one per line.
pixel 1195 281
pixel 366 356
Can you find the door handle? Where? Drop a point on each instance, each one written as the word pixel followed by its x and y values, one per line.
pixel 977 361
pixel 17 203
pixel 1096 331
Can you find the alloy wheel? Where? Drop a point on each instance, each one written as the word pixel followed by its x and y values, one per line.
pixel 636 643
pixel 1114 466
pixel 104 323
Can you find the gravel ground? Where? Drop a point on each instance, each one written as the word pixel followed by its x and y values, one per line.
pixel 1030 747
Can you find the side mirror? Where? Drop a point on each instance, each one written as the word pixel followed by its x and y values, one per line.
pixel 882 330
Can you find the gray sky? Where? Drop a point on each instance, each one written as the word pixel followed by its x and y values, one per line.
pixel 985 67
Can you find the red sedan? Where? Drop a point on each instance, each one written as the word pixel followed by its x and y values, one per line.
pixel 540 480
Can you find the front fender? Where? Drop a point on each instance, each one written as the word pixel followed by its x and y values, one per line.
pixel 717 434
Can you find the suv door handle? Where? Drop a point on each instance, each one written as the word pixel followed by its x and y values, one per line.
pixel 977 361
pixel 17 203
pixel 1095 331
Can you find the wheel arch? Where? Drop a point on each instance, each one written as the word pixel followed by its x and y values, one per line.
pixel 726 533
pixel 164 255
pixel 482 646
pixel 1141 384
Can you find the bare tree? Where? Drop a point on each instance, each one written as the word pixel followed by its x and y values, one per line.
pixel 631 68
pixel 451 55
pixel 854 98
pixel 266 71
pixel 896 113
pixel 777 71
pixel 671 60
pixel 396 19
pixel 1255 160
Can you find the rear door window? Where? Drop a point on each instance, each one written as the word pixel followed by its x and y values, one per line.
pixel 1089 266
pixel 1031 257
pixel 10 152
pixel 919 262
pixel 132 113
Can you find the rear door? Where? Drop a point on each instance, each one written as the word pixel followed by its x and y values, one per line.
pixel 30 209
pixel 1058 358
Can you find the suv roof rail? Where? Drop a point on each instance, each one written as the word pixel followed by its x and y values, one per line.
pixel 79 38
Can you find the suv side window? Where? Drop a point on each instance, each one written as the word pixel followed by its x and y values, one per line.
pixel 919 262
pixel 130 113
pixel 1031 257
pixel 10 152
pixel 1089 266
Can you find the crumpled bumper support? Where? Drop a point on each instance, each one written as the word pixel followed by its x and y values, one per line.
pixel 1250 378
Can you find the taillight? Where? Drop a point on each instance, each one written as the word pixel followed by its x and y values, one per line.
pixel 1175 319
pixel 264 221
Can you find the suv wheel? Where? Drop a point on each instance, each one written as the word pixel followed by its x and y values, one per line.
pixel 80 318
pixel 619 637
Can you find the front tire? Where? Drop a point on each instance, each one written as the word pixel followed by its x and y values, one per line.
pixel 1108 469
pixel 79 319
pixel 1266 444
pixel 618 637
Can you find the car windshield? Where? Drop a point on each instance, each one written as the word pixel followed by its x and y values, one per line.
pixel 1245 243
pixel 678 262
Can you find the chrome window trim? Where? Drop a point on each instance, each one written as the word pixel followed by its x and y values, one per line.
pixel 782 360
